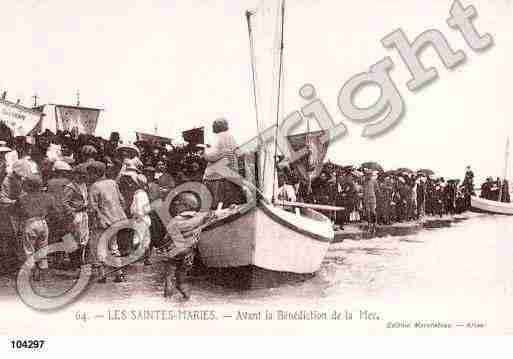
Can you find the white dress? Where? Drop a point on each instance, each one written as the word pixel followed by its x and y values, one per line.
pixel 140 210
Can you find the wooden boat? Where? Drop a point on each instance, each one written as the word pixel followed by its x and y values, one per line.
pixel 264 234
pixel 485 205
pixel 268 237
pixel 496 207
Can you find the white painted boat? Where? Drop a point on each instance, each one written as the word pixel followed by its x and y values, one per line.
pixel 497 207
pixel 485 205
pixel 270 238
pixel 266 235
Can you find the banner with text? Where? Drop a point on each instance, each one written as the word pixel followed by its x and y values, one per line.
pixel 21 120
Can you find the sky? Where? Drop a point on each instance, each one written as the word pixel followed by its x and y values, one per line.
pixel 179 64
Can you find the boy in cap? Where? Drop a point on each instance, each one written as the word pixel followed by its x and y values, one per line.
pixel 179 245
pixel 33 207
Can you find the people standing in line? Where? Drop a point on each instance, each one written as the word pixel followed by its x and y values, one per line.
pixel 438 199
pixel 421 196
pixel 370 193
pixel 386 190
pixel 222 157
pixel 413 198
pixel 468 186
pixel 450 196
pixel 402 199
pixel 505 192
pixel 496 189
pixel 430 189
pixel 380 203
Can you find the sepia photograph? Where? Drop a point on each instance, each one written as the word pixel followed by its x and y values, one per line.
pixel 255 167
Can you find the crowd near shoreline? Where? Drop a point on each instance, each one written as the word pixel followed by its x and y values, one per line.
pixel 79 184
pixel 371 194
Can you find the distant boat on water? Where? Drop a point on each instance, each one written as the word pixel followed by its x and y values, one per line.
pixel 486 205
pixel 479 204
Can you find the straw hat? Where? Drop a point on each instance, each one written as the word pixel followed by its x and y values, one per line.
pixel 61 166
pixel 128 148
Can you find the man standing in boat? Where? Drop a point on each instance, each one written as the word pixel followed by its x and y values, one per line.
pixel 222 154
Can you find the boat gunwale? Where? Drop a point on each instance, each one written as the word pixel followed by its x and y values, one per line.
pixel 233 217
pixel 500 206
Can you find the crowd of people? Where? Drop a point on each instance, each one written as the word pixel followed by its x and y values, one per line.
pixel 497 190
pixel 380 197
pixel 54 185
pixel 68 183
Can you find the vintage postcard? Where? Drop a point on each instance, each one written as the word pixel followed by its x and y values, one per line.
pixel 255 167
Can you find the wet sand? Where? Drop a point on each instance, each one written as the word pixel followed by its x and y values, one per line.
pixel 355 262
pixel 455 271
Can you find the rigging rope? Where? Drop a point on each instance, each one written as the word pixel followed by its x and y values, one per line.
pixel 279 97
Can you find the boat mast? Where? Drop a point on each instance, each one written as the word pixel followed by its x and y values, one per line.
pixel 258 180
pixel 253 69
pixel 279 99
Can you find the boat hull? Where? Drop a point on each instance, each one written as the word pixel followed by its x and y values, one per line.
pixel 270 238
pixel 485 205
